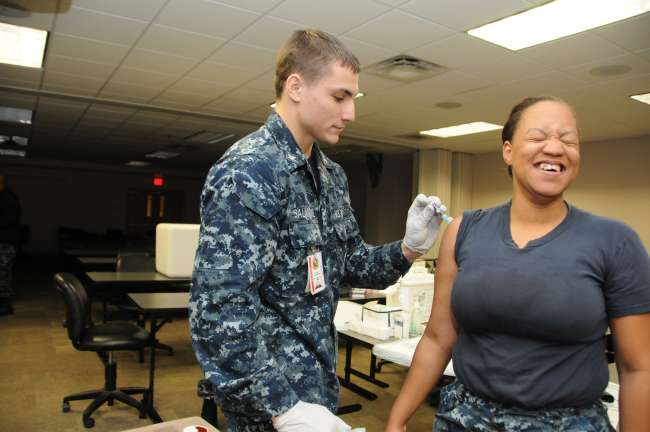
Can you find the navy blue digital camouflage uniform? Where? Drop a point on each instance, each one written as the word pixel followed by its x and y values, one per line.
pixel 460 410
pixel 262 339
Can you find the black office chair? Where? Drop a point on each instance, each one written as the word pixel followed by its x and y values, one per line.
pixel 102 339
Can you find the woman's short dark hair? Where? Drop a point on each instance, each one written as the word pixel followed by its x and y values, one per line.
pixel 517 111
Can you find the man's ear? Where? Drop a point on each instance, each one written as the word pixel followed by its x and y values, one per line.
pixel 506 151
pixel 294 85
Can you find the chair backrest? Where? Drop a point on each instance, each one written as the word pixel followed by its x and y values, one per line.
pixel 77 305
pixel 135 262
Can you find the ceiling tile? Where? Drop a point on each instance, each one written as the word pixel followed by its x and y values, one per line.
pixel 368 54
pixel 370 84
pixel 190 99
pixel 572 51
pixel 222 74
pixel 210 88
pixel 547 83
pixel 253 5
pixel 644 53
pixel 460 50
pixel 264 82
pixel 40 18
pixel 132 92
pixel 151 79
pixel 86 49
pixel 200 16
pixel 253 96
pixel 392 2
pixel 269 33
pixel 229 105
pixel 143 10
pixel 103 111
pixel 157 61
pixel 94 70
pixel 19 73
pixel 632 34
pixel 185 44
pixel 18 83
pixel 638 65
pixel 463 15
pixel 153 118
pixel 387 31
pixel 17 100
pixel 243 56
pixel 507 68
pixel 329 14
pixel 58 79
pixel 99 26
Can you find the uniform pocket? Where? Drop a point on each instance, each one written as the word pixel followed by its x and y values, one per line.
pixel 305 236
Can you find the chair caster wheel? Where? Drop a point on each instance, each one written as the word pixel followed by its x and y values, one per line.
pixel 89 422
pixel 66 406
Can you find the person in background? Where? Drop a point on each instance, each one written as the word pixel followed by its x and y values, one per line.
pixel 278 239
pixel 10 236
pixel 524 295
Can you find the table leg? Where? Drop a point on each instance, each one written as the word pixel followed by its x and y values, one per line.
pixel 153 414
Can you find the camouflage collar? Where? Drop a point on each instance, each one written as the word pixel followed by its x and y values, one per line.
pixel 284 138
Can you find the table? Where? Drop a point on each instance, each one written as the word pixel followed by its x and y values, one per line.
pixel 94 260
pixel 158 306
pixel 145 280
pixel 352 338
pixel 176 425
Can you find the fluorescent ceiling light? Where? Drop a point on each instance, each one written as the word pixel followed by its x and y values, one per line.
pixel 14 140
pixel 463 129
pixel 22 46
pixel 162 155
pixel 12 152
pixel 555 20
pixel 15 115
pixel 645 98
pixel 138 163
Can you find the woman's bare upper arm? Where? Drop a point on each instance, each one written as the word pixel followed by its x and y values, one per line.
pixel 442 325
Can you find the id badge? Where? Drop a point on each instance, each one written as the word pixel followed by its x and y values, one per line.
pixel 315 274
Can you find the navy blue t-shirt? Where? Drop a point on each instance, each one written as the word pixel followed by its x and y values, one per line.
pixel 532 320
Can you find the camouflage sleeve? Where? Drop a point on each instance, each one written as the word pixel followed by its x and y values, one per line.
pixel 236 248
pixel 374 267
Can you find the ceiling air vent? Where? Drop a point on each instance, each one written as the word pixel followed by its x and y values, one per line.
pixel 405 68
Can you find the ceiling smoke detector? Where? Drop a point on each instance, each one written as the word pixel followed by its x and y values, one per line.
pixel 405 68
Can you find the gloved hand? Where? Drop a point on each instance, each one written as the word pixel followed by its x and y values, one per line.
pixel 422 226
pixel 308 417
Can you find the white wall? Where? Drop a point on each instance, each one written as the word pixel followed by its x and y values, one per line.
pixel 614 181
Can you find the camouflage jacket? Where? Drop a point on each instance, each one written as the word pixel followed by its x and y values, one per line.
pixel 263 341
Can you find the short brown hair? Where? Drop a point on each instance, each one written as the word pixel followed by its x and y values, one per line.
pixel 517 111
pixel 309 52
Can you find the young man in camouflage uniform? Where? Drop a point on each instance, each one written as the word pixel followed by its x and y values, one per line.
pixel 278 239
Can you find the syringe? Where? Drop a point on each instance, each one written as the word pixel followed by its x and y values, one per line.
pixel 444 216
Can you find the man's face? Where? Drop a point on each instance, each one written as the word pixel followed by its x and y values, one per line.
pixel 327 104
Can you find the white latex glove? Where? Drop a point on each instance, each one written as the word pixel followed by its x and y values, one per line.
pixel 308 417
pixel 422 225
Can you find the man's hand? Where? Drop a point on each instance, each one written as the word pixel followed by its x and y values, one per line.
pixel 422 225
pixel 308 417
